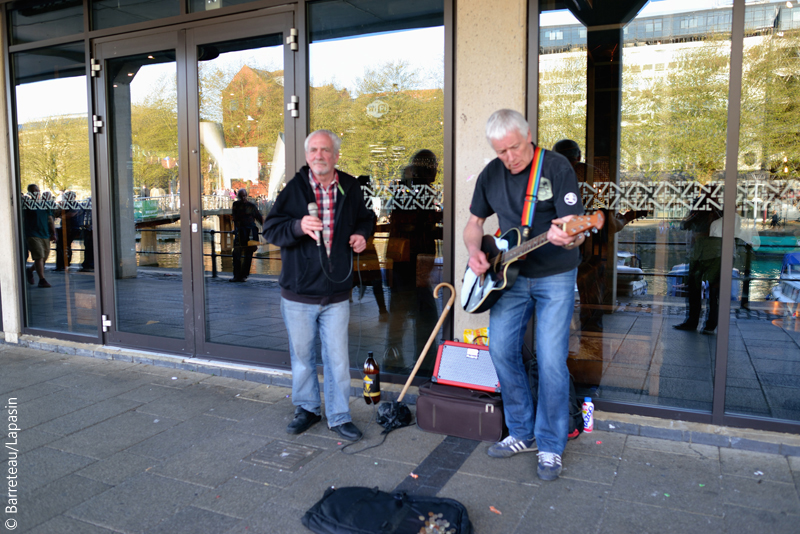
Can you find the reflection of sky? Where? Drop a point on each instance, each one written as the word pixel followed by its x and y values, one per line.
pixel 342 61
pixel 65 96
pixel 654 8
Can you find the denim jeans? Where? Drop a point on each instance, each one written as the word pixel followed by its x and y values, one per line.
pixel 303 323
pixel 553 300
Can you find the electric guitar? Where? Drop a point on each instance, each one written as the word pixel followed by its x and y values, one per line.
pixel 480 292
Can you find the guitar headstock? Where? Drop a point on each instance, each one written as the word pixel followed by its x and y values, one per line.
pixel 585 223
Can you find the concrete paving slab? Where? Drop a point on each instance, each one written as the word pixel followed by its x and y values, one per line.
pixel 45 465
pixel 185 404
pixel 512 499
pixel 137 504
pixel 272 518
pixel 669 480
pixel 91 386
pixel 45 503
pixel 520 468
pixel 626 517
pixel 34 391
pixel 745 463
pixel 744 520
pixel 212 461
pixel 232 383
pixel 611 444
pixel 550 509
pixel 32 439
pixel 600 470
pixel 340 471
pixel 86 417
pixel 114 435
pixel 146 393
pixel 193 520
pixel 755 492
pixel 235 409
pixel 50 407
pixel 117 468
pixel 266 393
pixel 236 497
pixel 66 525
pixel 693 450
pixel 181 437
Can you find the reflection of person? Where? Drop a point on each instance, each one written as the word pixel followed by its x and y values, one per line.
pixel 594 252
pixel 88 239
pixel 545 285
pixel 413 232
pixel 704 265
pixel 316 279
pixel 71 222
pixel 40 230
pixel 244 214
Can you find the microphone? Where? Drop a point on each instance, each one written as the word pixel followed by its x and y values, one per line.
pixel 314 212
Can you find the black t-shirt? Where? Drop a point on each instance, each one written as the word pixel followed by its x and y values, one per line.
pixel 498 191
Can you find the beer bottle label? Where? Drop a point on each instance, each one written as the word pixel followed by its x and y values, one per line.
pixel 372 385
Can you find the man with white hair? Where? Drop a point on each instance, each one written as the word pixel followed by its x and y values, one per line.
pixel 545 285
pixel 319 220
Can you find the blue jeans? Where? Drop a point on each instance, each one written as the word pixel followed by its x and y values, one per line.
pixel 303 323
pixel 553 300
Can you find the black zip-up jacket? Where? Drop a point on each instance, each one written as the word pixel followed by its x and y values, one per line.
pixel 302 278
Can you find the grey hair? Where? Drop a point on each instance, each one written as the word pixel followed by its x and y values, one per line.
pixel 503 121
pixel 337 143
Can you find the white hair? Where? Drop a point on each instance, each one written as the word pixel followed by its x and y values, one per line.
pixel 337 143
pixel 504 121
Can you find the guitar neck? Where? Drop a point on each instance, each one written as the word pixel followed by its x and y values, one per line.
pixel 520 250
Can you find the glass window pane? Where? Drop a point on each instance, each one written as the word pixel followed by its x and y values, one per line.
pixel 112 13
pixel 198 6
pixel 45 20
pixel 145 194
pixel 383 94
pixel 54 170
pixel 764 359
pixel 241 94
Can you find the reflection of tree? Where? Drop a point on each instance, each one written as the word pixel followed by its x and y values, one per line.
pixel 562 100
pixel 380 144
pixel 154 134
pixel 771 104
pixel 677 121
pixel 54 153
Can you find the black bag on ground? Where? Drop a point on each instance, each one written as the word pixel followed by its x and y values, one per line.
pixel 575 421
pixel 461 412
pixel 357 510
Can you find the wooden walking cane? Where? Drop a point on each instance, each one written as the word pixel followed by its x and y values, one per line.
pixel 433 334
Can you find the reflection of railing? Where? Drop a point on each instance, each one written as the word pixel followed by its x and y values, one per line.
pixel 213 255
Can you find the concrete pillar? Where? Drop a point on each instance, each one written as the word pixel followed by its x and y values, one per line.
pixel 9 254
pixel 491 69
pixel 148 243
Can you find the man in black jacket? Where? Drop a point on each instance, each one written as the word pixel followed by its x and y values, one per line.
pixel 317 219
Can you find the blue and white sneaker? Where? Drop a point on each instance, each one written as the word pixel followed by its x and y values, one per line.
pixel 549 467
pixel 511 446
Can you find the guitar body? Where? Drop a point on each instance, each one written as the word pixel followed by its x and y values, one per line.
pixel 479 293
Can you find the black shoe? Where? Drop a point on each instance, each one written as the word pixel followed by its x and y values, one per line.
pixel 685 326
pixel 29 275
pixel 348 431
pixel 708 331
pixel 303 420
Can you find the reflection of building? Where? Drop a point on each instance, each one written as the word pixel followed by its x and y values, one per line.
pixel 644 371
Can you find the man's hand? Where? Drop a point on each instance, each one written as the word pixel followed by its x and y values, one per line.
pixel 559 237
pixel 478 262
pixel 358 243
pixel 309 225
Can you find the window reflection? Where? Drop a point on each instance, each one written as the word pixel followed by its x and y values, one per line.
pixel 764 360
pixel 54 180
pixel 656 264
pixel 383 94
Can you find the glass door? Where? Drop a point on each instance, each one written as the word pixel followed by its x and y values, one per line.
pixel 189 118
pixel 148 217
pixel 243 79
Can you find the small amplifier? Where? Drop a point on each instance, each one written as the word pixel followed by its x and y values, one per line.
pixel 466 366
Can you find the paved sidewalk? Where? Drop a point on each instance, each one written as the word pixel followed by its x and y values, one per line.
pixel 113 446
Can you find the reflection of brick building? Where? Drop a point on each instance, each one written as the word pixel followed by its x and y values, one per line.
pixel 252 116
